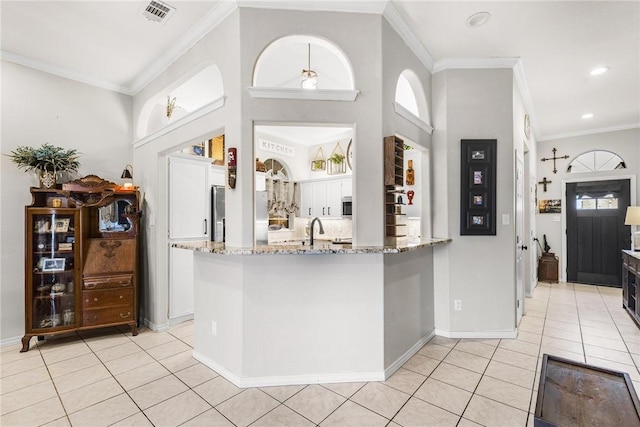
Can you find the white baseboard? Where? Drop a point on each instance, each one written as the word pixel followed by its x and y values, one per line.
pixel 156 328
pixel 408 355
pixel 243 382
pixel 10 341
pixel 180 319
pixel 477 335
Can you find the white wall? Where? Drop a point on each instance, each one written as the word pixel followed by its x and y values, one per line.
pixel 625 143
pixel 479 270
pixel 36 108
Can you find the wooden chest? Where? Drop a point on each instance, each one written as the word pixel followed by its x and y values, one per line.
pixel 548 268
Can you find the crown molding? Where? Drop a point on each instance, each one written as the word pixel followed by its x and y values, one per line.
pixel 62 72
pixel 400 26
pixel 195 34
pixel 589 132
pixel 473 63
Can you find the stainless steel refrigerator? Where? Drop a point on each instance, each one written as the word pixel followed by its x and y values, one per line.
pixel 217 213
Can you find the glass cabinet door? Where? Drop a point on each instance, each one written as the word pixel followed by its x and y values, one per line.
pixel 53 257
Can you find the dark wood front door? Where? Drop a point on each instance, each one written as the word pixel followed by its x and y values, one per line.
pixel 596 232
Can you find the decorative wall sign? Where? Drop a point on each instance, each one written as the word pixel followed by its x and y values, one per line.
pixel 478 187
pixel 550 206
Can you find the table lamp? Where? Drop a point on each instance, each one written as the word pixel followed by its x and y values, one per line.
pixel 633 218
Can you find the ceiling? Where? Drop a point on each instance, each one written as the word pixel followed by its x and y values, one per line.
pixel 111 45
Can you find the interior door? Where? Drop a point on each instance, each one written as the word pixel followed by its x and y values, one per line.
pixel 596 232
pixel 520 243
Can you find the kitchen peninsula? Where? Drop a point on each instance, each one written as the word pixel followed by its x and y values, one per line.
pixel 274 315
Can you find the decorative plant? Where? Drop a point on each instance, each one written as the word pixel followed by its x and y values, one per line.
pixel 317 164
pixel 46 158
pixel 336 158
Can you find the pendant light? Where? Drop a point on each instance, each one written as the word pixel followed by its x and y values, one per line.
pixel 309 77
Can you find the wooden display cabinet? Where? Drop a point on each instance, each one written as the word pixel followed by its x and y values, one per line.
pixel 81 267
pixel 631 284
pixel 395 220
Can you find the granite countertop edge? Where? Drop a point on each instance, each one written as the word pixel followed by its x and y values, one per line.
pixel 324 248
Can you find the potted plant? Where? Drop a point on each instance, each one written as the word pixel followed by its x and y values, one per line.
pixel 48 160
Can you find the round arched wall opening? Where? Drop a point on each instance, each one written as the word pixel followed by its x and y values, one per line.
pixel 410 95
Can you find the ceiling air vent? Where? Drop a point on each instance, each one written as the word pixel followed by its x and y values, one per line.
pixel 158 11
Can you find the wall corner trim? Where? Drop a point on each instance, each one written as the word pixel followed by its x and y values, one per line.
pixel 417 121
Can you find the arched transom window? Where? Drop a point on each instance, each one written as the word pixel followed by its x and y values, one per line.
pixel 596 161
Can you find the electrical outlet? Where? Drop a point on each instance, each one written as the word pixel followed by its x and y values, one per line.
pixel 457 305
pixel 214 328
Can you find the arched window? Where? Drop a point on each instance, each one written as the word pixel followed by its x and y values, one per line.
pixel 276 169
pixel 411 102
pixel 596 161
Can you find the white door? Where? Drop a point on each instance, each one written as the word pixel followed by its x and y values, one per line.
pixel 520 244
pixel 188 199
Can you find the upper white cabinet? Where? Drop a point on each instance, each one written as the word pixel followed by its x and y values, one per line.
pixel 189 198
pixel 323 198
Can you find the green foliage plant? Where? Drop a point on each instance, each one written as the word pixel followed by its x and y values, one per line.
pixel 46 158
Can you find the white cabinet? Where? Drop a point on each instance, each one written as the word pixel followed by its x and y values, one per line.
pixel 188 198
pixel 323 198
pixel 180 282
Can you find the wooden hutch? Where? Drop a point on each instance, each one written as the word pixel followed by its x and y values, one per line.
pixel 81 265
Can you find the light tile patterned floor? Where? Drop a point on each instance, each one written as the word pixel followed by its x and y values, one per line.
pixel 108 377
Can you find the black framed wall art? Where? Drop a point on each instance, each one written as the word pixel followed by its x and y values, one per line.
pixel 478 187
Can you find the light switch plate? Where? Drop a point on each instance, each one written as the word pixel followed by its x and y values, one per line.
pixel 506 219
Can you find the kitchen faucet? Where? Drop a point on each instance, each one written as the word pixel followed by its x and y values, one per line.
pixel 313 223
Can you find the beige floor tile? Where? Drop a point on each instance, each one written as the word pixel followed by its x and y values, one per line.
pixel 81 378
pixel 137 420
pixel 217 390
pixel 381 399
pixel 60 422
pixel 56 342
pixel 596 323
pixel 196 374
pixel 105 413
pixel 421 364
pixel 631 370
pixel 468 361
pixel 27 396
pixel 153 339
pixel 514 358
pixel 118 351
pixel 157 391
pixel 468 423
pixel 128 362
pixel 475 348
pixel 563 326
pixel 182 330
pixel 434 351
pixel 246 407
pixel 179 361
pixel 504 392
pixel 512 374
pixel 315 403
pixel 491 413
pixel 443 395
pixel 353 415
pixel 419 413
pixel 589 331
pixel 562 334
pixel 20 365
pixel 520 346
pixel 493 342
pixel 530 337
pixel 86 396
pixel 282 393
pixel 72 365
pixel 12 348
pixel 608 354
pixel 281 416
pixel 405 380
pixel 142 375
pixel 561 344
pixel 609 343
pixel 166 414
pixel 12 356
pixel 447 342
pixel 210 418
pixel 101 342
pixel 530 328
pixel 459 377
pixel 560 353
pixel 38 414
pixel 344 389
pixel 189 340
pixel 24 379
pixel 169 349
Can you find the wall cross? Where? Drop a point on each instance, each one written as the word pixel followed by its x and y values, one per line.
pixel 554 158
pixel 544 182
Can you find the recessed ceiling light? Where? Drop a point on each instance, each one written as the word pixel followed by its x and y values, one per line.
pixel 599 70
pixel 478 19
pixel 587 116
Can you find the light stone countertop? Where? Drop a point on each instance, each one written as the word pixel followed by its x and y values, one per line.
pixel 635 254
pixel 320 248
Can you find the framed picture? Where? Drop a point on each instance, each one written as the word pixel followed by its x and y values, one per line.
pixel 61 225
pixel 41 226
pixel 65 246
pixel 53 264
pixel 216 150
pixel 550 206
pixel 478 187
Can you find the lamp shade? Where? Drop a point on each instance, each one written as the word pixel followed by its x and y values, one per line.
pixel 126 173
pixel 633 216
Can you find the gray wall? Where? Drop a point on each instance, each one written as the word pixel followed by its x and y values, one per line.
pixel 479 270
pixel 36 108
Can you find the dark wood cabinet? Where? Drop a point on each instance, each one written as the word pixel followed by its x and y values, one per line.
pixel 631 284
pixel 81 266
pixel 395 219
